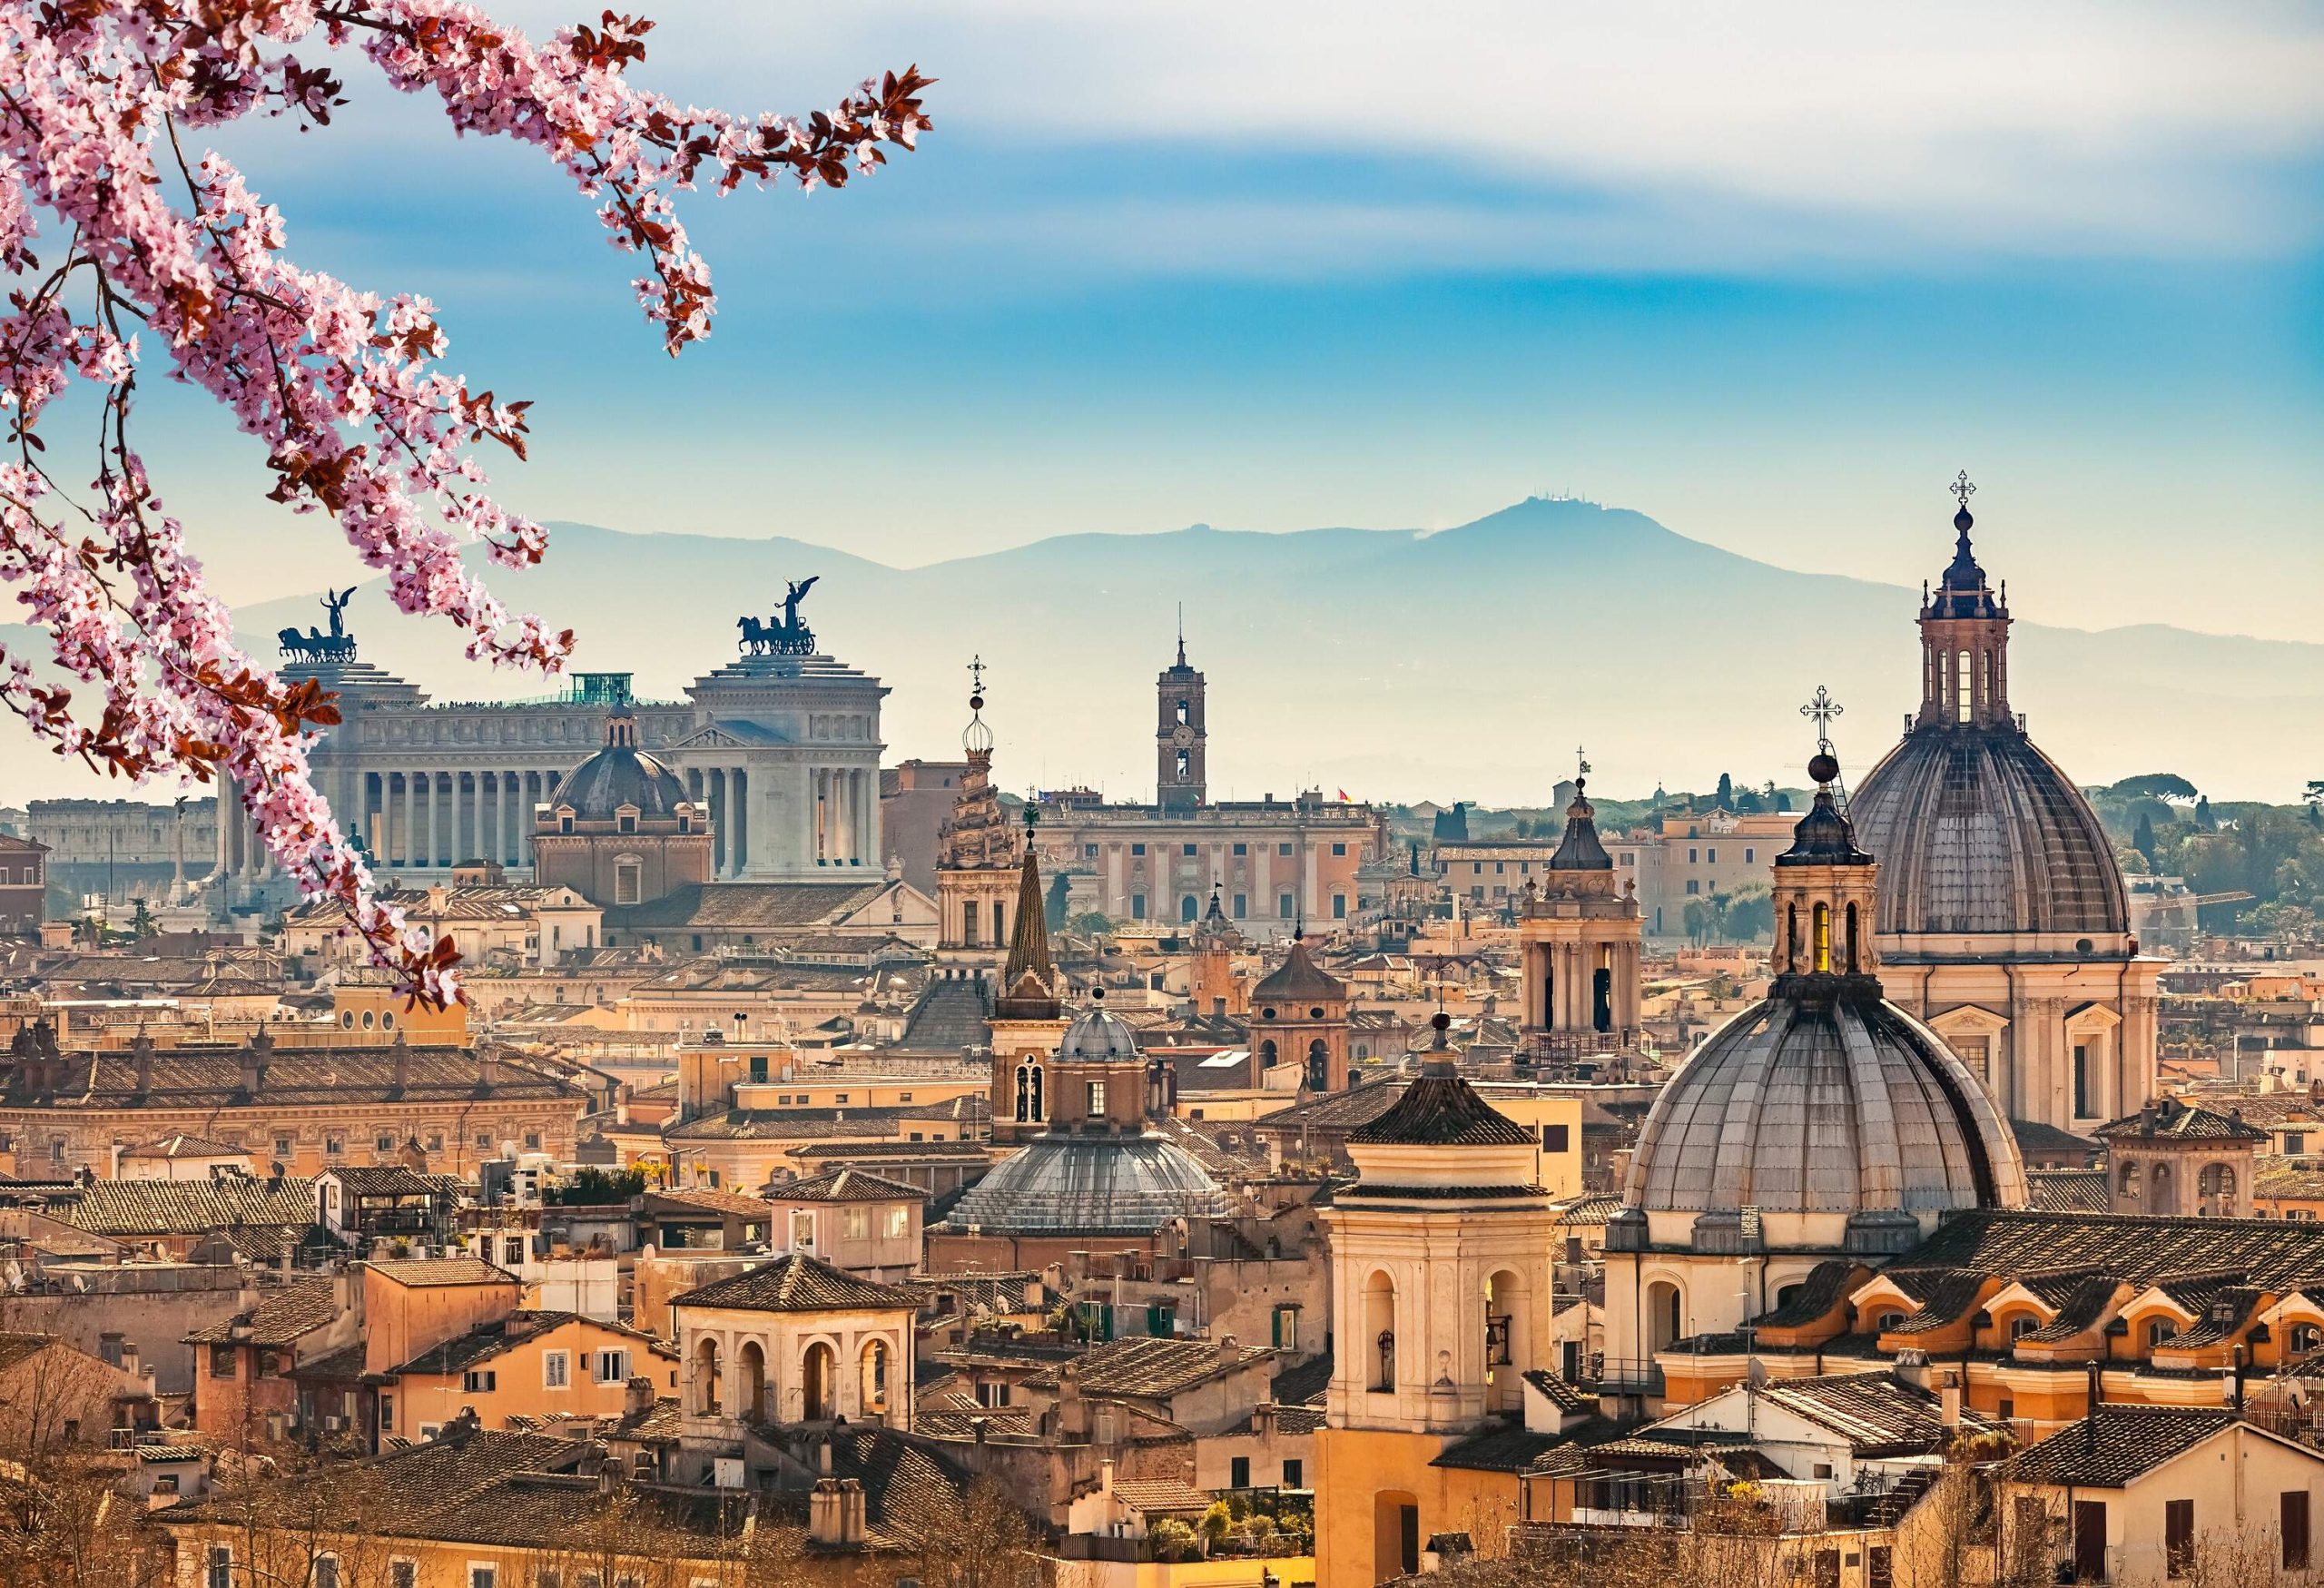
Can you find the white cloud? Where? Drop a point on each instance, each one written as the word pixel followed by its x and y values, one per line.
pixel 2051 127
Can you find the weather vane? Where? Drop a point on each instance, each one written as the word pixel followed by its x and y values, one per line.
pixel 1963 489
pixel 1820 710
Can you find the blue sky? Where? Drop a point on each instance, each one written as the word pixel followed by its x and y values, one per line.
pixel 1770 273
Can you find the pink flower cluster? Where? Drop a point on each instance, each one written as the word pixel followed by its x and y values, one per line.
pixel 343 388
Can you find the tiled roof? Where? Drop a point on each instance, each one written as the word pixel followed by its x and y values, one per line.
pixel 2269 1253
pixel 1945 1296
pixel 1595 1208
pixel 210 1078
pixel 787 1124
pixel 488 1340
pixel 172 1147
pixel 904 1482
pixel 1564 1396
pixel 388 1180
pixel 952 1012
pixel 1297 980
pixel 2176 1121
pixel 708 1200
pixel 1876 1413
pixel 2080 1309
pixel 2033 1136
pixel 2117 1444
pixel 2226 1309
pixel 910 1149
pixel 1513 1448
pixel 2291 1180
pixel 747 906
pixel 281 1317
pixel 1152 1367
pixel 1335 1111
pixel 794 1282
pixel 428 1271
pixel 154 1207
pixel 845 1185
pixel 1441 1111
pixel 1817 1294
pixel 1305 1385
pixel 1161 1496
pixel 2067 1190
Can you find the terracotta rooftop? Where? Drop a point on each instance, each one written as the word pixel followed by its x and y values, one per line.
pixel 281 1319
pixel 845 1185
pixel 2270 1253
pixel 154 1207
pixel 2118 1446
pixel 1152 1367
pixel 797 1283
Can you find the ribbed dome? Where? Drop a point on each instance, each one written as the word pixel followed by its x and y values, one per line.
pixel 1976 831
pixel 1091 1186
pixel 622 774
pixel 1298 980
pixel 1844 1105
pixel 1096 1036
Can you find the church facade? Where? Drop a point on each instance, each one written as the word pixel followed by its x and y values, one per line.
pixel 780 750
pixel 2003 921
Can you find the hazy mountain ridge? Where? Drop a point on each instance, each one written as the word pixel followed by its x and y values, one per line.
pixel 1466 663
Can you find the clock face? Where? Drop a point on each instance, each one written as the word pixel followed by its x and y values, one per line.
pixel 1182 735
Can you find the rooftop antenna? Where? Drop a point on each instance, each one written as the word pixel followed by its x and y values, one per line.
pixel 1182 634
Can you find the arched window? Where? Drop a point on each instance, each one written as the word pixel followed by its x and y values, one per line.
pixel 2304 1340
pixel 875 1377
pixel 1961 689
pixel 1791 937
pixel 2130 1182
pixel 1267 1054
pixel 1319 1066
pixel 1888 1320
pixel 1024 1093
pixel 2022 1325
pixel 1379 1328
pixel 1665 1314
pixel 1188 909
pixel 1823 937
pixel 709 1399
pixel 2216 1187
pixel 1855 965
pixel 818 1400
pixel 749 1366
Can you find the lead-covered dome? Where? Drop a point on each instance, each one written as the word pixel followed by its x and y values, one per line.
pixel 1824 1105
pixel 1102 1184
pixel 1097 1035
pixel 1978 831
pixel 622 774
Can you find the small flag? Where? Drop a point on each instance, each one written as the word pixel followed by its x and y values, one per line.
pixel 1343 797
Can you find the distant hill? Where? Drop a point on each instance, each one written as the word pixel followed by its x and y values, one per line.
pixel 1396 663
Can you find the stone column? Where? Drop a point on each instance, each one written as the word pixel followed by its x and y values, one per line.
pixel 431 802
pixel 739 799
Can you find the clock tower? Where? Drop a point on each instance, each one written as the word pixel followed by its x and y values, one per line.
pixel 1179 737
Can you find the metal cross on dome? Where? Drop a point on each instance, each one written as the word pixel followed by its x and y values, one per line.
pixel 976 673
pixel 1820 710
pixel 1581 761
pixel 1961 488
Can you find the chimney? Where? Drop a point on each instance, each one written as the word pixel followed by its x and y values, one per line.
pixel 1948 1401
pixel 399 1056
pixel 255 1062
pixel 2090 1424
pixel 1106 1476
pixel 140 1057
pixel 637 1395
pixel 1228 1351
pixel 835 1510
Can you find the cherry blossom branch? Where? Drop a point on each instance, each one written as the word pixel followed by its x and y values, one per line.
pixel 342 388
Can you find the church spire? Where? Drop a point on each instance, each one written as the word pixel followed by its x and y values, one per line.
pixel 1028 981
pixel 1824 897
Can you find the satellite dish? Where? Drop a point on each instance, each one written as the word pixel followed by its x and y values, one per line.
pixel 1756 1375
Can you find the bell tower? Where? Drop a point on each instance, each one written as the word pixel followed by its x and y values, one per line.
pixel 1179 737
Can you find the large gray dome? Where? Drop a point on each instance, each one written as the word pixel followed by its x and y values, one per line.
pixel 619 776
pixel 1844 1105
pixel 1097 1036
pixel 1091 1185
pixel 1976 831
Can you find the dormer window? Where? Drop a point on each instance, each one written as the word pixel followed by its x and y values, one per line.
pixel 626 819
pixel 565 819
pixel 685 821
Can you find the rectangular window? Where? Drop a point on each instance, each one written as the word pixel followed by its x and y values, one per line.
pixel 383 1143
pixel 1238 1473
pixel 1242 849
pixel 1137 849
pixel 1694 886
pixel 556 1369
pixel 480 1380
pixel 1880 1566
pixel 1097 1099
pixel 403 1574
pixel 326 1572
pixel 1295 1474
pixel 1137 906
pixel 1710 857
pixel 2295 1142
pixel 387 1412
pixel 1282 906
pixel 859 1223
pixel 2082 1104
pixel 1749 855
pixel 1693 857
pixel 1186 848
pixel 333 1145
pixel 484 1576
pixel 1089 851
pixel 1283 849
pixel 221 1566
pixel 2089 1537
pixel 2178 1537
pixel 222 1361
pixel 898 1222
pixel 1339 906
pixel 1339 850
pixel 282 1146
pixel 2291 1526
pixel 1555 1138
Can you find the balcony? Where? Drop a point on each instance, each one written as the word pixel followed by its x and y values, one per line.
pixel 1629 1375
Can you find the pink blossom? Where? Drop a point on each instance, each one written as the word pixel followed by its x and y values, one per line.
pixel 148 241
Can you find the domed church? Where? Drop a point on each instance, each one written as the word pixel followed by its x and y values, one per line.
pixel 2001 919
pixel 1826 1122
